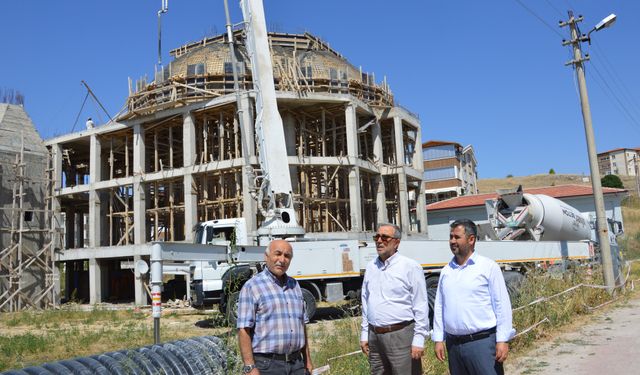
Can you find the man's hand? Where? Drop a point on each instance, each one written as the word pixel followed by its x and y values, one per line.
pixel 416 352
pixel 502 351
pixel 255 371
pixel 309 366
pixel 439 350
pixel 364 345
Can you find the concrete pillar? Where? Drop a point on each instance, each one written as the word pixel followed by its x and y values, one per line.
pixel 56 222
pixel 289 122
pixel 376 134
pixel 95 281
pixel 418 164
pixel 403 197
pixel 56 218
pixel 139 204
pixel 249 204
pixel 190 194
pixel 95 175
pixel 355 200
pixel 69 228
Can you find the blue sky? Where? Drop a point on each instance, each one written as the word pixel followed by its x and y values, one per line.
pixel 487 73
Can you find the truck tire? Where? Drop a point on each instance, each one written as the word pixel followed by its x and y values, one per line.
pixel 432 288
pixel 231 311
pixel 513 281
pixel 309 303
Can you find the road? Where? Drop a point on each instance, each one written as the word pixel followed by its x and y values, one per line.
pixel 610 344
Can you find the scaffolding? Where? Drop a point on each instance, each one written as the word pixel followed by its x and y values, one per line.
pixel 29 278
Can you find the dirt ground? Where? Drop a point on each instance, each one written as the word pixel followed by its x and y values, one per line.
pixel 608 344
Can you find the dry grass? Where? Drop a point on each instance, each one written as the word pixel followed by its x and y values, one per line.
pixel 630 241
pixel 31 338
pixel 489 185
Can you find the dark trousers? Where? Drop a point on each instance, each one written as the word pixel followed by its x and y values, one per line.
pixel 390 353
pixel 474 357
pixel 270 366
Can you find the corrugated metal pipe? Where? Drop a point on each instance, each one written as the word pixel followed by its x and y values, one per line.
pixel 197 355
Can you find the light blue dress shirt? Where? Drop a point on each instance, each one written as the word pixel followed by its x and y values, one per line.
pixel 472 298
pixel 394 291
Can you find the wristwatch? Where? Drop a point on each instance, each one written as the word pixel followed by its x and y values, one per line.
pixel 247 368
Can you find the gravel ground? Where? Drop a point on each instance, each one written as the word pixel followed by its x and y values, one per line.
pixel 610 344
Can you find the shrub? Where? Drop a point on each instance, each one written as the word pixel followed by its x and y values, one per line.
pixel 612 181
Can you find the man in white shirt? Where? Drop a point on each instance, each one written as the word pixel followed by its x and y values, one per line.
pixel 472 311
pixel 395 313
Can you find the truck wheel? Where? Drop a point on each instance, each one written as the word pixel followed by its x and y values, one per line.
pixel 309 303
pixel 231 311
pixel 513 280
pixel 432 288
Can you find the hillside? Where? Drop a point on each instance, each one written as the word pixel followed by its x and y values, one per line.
pixel 489 185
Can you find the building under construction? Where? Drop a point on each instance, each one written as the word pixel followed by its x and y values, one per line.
pixel 28 278
pixel 182 152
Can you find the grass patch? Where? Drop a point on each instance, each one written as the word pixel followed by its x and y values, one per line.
pixel 630 240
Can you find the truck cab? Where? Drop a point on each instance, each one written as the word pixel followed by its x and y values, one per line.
pixel 206 285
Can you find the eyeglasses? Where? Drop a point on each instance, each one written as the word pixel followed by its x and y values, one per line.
pixel 382 237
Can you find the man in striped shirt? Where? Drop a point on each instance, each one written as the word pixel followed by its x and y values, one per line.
pixel 271 319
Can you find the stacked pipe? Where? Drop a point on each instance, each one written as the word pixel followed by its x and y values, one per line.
pixel 198 355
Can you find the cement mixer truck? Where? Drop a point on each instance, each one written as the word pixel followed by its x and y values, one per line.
pixel 520 216
pixel 524 231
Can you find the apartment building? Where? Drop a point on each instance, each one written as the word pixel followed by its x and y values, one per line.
pixel 619 161
pixel 450 170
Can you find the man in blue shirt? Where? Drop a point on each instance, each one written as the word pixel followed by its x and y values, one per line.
pixel 395 312
pixel 472 311
pixel 271 319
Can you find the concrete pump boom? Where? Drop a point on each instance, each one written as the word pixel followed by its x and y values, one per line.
pixel 273 179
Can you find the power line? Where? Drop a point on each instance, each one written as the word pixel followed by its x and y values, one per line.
pixel 553 29
pixel 554 8
pixel 611 71
pixel 611 93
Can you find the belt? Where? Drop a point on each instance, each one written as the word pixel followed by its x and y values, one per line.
pixel 461 339
pixel 390 328
pixel 291 357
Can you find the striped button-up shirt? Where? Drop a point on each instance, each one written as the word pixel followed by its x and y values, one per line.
pixel 275 311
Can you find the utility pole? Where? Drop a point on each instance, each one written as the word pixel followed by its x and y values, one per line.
pixel 601 218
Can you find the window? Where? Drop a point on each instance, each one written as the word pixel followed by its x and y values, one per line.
pixel 307 72
pixel 440 173
pixel 28 216
pixel 197 69
pixel 439 152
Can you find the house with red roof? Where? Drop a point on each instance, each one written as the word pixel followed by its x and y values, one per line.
pixel 442 214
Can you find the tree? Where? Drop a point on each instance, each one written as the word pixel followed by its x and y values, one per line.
pixel 552 171
pixel 612 181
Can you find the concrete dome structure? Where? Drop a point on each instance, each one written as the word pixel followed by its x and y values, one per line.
pixel 302 63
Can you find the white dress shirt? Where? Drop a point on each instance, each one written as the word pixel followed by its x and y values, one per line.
pixel 472 298
pixel 395 292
